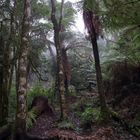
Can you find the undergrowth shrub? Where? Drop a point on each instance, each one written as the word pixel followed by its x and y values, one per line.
pixel 31 118
pixel 119 75
pixel 12 104
pixel 84 103
pixel 66 124
pixel 80 105
pixel 135 125
pixel 39 91
pixel 90 115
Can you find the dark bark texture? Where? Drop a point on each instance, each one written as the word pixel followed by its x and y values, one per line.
pixel 90 21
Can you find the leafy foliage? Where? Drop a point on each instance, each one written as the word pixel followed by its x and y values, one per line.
pixel 31 118
pixel 121 20
pixel 66 125
pixel 82 68
pixel 39 90
pixel 91 115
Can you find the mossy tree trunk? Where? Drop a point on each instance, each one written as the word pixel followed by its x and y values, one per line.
pixel 22 72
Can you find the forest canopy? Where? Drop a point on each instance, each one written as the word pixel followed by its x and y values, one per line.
pixel 60 82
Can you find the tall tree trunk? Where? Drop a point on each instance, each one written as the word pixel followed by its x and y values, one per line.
pixel 104 110
pixel 22 73
pixel 90 19
pixel 6 69
pixel 12 37
pixel 5 74
pixel 5 86
pixel 67 69
pixel 57 27
pixel 1 76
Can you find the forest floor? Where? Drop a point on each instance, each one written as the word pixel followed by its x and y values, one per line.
pixel 47 126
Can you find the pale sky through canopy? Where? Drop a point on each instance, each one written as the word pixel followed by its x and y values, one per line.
pixel 79 19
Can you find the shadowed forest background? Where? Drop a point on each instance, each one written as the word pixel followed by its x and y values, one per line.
pixel 59 83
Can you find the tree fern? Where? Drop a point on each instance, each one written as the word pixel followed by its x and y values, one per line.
pixel 31 118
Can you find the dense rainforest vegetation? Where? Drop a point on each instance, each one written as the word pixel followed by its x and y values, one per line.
pixel 61 83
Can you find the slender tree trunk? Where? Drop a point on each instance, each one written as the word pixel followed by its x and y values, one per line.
pixel 66 85
pixel 6 78
pixel 61 79
pixel 67 70
pixel 1 77
pixel 90 18
pixel 99 76
pixel 12 37
pixel 22 73
pixel 104 108
pixel 57 27
pixel 6 70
